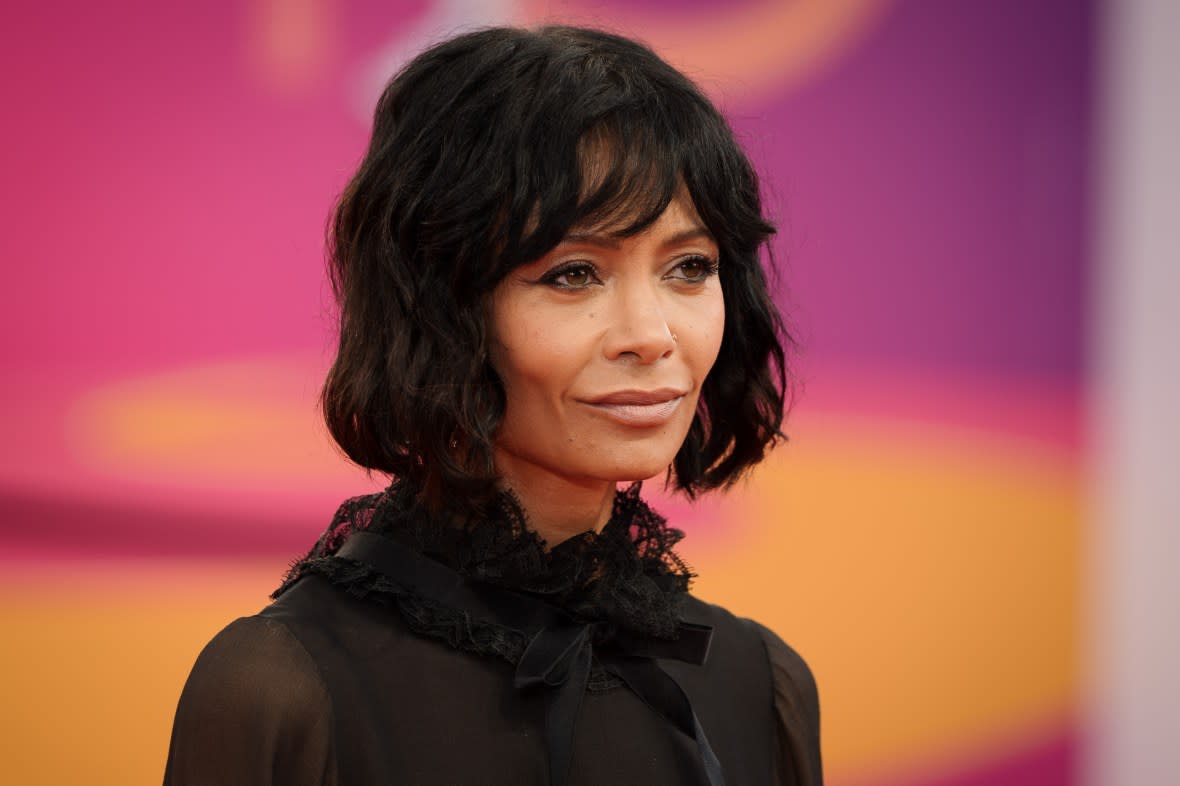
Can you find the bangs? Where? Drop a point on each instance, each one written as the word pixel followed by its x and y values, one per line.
pixel 627 168
pixel 594 136
pixel 628 177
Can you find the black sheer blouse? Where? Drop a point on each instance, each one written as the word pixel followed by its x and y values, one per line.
pixel 404 651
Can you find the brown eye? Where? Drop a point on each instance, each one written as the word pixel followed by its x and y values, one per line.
pixel 578 277
pixel 575 276
pixel 694 269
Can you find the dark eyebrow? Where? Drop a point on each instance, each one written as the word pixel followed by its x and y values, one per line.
pixel 612 241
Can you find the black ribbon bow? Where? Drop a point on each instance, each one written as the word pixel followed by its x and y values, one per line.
pixel 560 650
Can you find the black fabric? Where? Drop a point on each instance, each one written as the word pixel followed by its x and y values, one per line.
pixel 560 650
pixel 627 577
pixel 353 676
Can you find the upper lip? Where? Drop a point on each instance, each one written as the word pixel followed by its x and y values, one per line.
pixel 638 397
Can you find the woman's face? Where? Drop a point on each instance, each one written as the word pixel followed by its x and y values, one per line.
pixel 602 346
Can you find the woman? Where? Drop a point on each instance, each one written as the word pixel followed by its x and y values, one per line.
pixel 547 268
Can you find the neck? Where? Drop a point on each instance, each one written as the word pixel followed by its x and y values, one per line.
pixel 558 508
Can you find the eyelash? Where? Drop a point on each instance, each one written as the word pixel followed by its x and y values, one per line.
pixel 709 268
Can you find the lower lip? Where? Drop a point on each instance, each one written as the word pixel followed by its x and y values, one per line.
pixel 641 415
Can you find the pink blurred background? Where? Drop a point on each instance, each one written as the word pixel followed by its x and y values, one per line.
pixel 971 501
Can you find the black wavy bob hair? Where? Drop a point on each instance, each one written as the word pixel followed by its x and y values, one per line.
pixel 487 149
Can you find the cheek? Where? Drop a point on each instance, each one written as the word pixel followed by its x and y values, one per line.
pixel 532 359
pixel 709 324
pixel 535 352
pixel 512 337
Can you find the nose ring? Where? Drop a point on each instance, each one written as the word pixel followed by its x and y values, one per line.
pixel 674 338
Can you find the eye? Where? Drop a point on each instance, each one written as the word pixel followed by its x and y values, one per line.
pixel 694 269
pixel 574 275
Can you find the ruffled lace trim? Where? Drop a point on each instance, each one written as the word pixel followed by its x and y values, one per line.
pixel 626 577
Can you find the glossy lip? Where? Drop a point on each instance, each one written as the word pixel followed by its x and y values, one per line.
pixel 639 408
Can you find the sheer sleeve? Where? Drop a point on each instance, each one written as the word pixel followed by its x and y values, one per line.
pixel 254 711
pixel 796 710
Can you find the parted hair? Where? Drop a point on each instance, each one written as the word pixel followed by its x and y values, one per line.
pixel 487 149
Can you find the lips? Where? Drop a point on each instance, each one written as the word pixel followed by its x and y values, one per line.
pixel 639 408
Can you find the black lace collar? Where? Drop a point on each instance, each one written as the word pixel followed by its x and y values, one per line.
pixel 626 578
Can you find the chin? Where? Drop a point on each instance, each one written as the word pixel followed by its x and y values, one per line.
pixel 641 470
pixel 635 477
pixel 642 462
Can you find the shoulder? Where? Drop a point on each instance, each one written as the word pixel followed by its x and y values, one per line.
pixel 793 678
pixel 789 670
pixel 791 683
pixel 253 706
pixel 257 658
pixel 786 664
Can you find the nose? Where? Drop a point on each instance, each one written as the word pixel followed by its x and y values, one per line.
pixel 639 326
